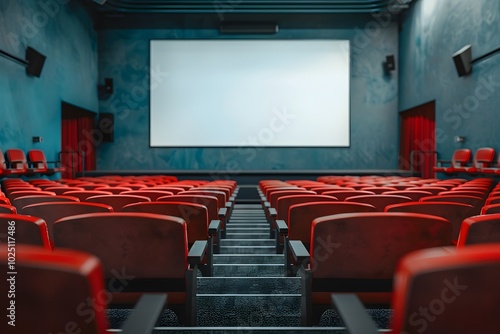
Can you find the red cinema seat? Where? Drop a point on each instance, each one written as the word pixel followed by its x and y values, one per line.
pixel 21 202
pixel 436 291
pixel 21 229
pixel 5 170
pixel 153 195
pixel 210 202
pixel 282 212
pixel 300 221
pixel 415 195
pixel 455 280
pixel 16 161
pixel 150 248
pixel 63 292
pixel 480 230
pixel 21 193
pixel 455 213
pixel 460 158
pixel 50 212
pixel 491 208
pixel 358 253
pixel 117 202
pixel 379 201
pixel 38 161
pixel 483 157
pixel 476 202
pixel 7 208
pixel 82 195
pixel 60 190
pixel 341 195
pixel 196 216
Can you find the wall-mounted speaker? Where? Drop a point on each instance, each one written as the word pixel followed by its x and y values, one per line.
pixel 463 60
pixel 105 90
pixel 390 64
pixel 106 126
pixel 35 62
pixel 248 28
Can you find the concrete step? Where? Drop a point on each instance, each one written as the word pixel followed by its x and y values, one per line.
pixel 246 229
pixel 248 221
pixel 253 310
pixel 253 330
pixel 247 242
pixel 244 235
pixel 247 250
pixel 249 259
pixel 247 224
pixel 249 270
pixel 251 285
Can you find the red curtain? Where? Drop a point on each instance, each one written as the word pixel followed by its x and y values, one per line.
pixel 418 140
pixel 78 146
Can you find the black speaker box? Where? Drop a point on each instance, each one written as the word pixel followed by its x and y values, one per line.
pixel 106 126
pixel 463 60
pixel 107 89
pixel 390 64
pixel 35 62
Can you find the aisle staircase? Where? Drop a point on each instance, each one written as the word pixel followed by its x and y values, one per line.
pixel 248 287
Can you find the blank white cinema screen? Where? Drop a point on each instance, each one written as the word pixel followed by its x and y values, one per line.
pixel 234 93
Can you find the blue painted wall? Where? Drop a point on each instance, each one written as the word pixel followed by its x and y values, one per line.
pixel 30 106
pixel 124 56
pixel 466 106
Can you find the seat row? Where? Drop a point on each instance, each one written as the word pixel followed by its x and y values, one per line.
pixel 482 162
pixel 353 243
pixel 15 163
pixel 160 245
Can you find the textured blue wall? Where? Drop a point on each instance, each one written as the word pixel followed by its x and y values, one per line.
pixel 466 106
pixel 124 56
pixel 63 32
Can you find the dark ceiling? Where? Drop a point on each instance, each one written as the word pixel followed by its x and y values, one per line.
pixel 123 14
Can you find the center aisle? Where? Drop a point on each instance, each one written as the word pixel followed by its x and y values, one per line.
pixel 248 288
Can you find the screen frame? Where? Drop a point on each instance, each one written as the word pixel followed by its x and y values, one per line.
pixel 349 118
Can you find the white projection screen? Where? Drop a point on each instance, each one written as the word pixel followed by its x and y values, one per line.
pixel 237 93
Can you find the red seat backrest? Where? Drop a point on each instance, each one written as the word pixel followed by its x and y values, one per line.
pixel 369 245
pixel 25 230
pixel 285 202
pixel 379 201
pixel 480 230
pixel 51 287
pixel 143 245
pixel 195 215
pixel 455 213
pixel 302 215
pixel 447 285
